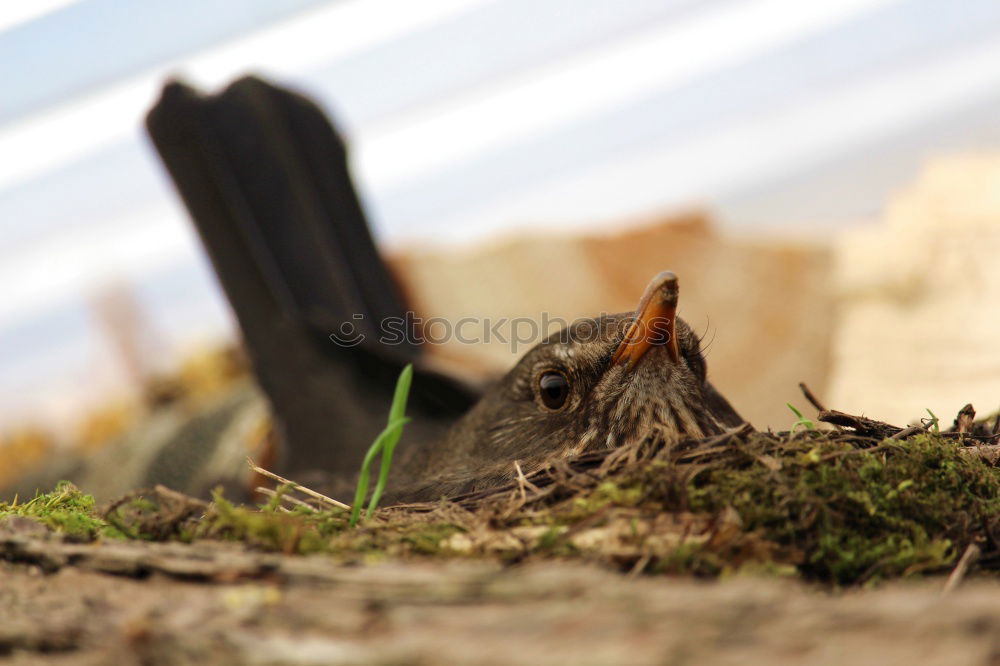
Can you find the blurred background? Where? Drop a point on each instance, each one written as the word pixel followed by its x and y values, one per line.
pixel 824 176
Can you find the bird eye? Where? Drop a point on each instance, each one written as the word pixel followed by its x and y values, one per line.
pixel 553 387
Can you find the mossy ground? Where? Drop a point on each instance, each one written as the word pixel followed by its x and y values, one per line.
pixel 820 506
pixel 857 514
pixel 65 510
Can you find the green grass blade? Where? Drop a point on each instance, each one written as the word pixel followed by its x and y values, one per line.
pixel 402 394
pixel 392 435
pixel 803 421
pixel 385 444
pixel 933 424
pixel 362 489
pixel 363 479
pixel 396 413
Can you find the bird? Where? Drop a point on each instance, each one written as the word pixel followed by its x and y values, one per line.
pixel 600 383
pixel 266 179
pixel 265 176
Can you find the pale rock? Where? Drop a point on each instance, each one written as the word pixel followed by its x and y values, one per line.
pixel 917 324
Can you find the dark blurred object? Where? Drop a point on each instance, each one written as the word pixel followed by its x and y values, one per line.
pixel 265 178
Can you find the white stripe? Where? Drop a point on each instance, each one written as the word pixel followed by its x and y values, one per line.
pixel 706 165
pixel 72 263
pixel 602 79
pixel 15 12
pixel 45 141
pixel 748 152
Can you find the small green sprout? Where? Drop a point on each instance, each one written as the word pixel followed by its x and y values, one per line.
pixel 934 422
pixel 385 444
pixel 802 421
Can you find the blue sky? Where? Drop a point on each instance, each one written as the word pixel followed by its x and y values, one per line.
pixel 467 119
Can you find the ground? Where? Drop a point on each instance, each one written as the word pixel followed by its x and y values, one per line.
pixel 317 612
pixel 871 544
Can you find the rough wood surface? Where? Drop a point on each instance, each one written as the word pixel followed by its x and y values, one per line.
pixel 143 603
pixel 281 610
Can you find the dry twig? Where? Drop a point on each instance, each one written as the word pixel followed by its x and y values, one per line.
pixel 284 497
pixel 860 424
pixel 965 419
pixel 968 558
pixel 813 400
pixel 302 489
pixel 909 432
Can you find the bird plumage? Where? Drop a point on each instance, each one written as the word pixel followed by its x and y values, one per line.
pixel 609 404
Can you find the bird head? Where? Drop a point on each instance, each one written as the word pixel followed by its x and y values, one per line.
pixel 599 383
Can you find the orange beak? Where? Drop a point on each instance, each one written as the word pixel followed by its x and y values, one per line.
pixel 654 322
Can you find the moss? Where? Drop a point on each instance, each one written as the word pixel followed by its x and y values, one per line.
pixel 377 540
pixel 301 531
pixel 690 559
pixel 554 543
pixel 428 538
pixel 857 514
pixel 815 504
pixel 607 493
pixel 127 518
pixel 65 510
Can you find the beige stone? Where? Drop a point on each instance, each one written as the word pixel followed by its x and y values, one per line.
pixel 918 325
